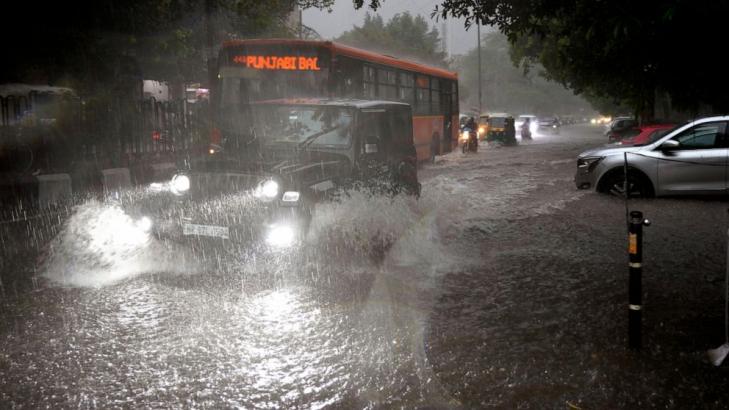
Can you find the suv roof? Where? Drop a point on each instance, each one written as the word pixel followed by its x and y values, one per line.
pixel 344 102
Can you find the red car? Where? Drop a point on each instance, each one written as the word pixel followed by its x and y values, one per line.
pixel 645 134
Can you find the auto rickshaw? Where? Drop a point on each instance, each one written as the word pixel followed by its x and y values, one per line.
pixel 500 128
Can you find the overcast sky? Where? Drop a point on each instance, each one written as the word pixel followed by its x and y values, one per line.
pixel 343 17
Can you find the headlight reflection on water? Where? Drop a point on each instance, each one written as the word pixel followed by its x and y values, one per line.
pixel 276 306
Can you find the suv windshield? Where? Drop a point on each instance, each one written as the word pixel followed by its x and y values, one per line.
pixel 321 125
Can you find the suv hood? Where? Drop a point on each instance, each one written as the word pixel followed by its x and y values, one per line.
pixel 225 176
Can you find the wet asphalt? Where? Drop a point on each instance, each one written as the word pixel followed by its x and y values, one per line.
pixel 503 286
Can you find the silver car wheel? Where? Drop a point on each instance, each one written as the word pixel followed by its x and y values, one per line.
pixel 638 187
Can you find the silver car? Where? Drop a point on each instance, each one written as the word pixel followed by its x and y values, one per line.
pixel 690 160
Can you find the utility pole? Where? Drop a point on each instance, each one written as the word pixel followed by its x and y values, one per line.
pixel 478 34
pixel 209 31
pixel 301 23
pixel 444 39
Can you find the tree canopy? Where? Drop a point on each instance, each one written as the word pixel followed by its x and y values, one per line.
pixel 91 43
pixel 619 49
pixel 403 35
pixel 506 88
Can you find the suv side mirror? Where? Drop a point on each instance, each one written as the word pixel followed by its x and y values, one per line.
pixel 669 145
pixel 371 144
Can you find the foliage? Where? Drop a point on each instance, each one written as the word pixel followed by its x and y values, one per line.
pixel 95 44
pixel 403 35
pixel 506 88
pixel 618 49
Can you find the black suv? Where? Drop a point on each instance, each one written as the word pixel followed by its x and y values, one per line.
pixel 276 159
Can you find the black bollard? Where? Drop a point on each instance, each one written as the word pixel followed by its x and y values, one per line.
pixel 635 269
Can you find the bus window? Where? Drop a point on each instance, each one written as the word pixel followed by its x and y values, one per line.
pixel 435 96
pixel 368 81
pixel 406 88
pixel 422 95
pixel 454 101
pixel 386 85
pixel 349 78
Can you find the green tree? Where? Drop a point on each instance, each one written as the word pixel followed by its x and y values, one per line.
pixel 507 88
pixel 403 35
pixel 95 43
pixel 621 49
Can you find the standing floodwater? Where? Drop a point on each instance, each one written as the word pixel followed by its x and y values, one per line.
pixel 125 320
pixel 502 286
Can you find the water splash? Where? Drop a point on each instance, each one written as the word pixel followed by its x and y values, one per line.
pixel 100 245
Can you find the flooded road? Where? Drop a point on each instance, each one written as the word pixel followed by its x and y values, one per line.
pixel 503 286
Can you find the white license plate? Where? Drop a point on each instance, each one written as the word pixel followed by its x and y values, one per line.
pixel 206 230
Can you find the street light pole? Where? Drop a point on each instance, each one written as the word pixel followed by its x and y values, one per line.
pixel 478 34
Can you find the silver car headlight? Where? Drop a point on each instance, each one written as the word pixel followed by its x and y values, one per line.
pixel 180 184
pixel 267 190
pixel 588 163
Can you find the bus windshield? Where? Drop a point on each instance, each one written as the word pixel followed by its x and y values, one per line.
pixel 318 125
pixel 242 85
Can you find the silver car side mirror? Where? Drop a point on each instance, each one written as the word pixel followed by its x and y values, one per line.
pixel 669 145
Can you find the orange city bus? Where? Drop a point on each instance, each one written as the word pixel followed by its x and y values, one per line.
pixel 265 69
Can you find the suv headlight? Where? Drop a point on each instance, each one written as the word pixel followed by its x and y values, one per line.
pixel 588 163
pixel 180 184
pixel 267 190
pixel 281 236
